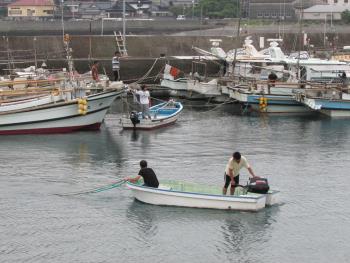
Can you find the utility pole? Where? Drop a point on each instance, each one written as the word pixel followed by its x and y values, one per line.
pixel 192 9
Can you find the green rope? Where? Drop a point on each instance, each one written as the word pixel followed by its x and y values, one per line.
pixel 95 190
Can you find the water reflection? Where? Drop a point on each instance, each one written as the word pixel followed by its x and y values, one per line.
pixel 144 216
pixel 81 147
pixel 240 229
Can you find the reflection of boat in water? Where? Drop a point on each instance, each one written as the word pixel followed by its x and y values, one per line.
pixel 174 193
pixel 162 115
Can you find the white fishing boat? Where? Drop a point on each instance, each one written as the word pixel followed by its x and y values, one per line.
pixel 163 114
pixel 60 117
pixel 31 101
pixel 174 193
pixel 333 102
pixel 179 87
pixel 278 100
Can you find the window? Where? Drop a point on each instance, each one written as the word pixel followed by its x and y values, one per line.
pixel 346 1
pixel 15 12
pixel 49 12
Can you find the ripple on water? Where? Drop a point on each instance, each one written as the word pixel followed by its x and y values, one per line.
pixel 306 158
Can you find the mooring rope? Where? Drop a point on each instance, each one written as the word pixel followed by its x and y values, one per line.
pixel 95 190
pixel 147 73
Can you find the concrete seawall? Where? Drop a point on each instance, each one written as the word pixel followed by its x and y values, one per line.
pixel 142 49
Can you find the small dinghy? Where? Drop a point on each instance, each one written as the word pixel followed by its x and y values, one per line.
pixel 175 193
pixel 162 114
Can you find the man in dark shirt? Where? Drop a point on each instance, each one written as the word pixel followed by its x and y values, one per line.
pixel 148 175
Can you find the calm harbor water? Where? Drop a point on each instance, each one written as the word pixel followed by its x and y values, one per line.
pixel 306 158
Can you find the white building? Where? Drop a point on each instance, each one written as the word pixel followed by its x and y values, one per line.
pixel 339 2
pixel 326 12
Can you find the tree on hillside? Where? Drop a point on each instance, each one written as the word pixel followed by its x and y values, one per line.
pixel 218 8
pixel 345 16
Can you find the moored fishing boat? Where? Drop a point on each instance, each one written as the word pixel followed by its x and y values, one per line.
pixel 65 116
pixel 163 114
pixel 174 193
pixel 333 102
pixel 278 100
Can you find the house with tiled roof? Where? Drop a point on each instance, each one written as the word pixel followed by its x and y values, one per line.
pixel 31 9
pixel 325 12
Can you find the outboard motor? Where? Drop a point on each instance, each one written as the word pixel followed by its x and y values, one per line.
pixel 134 117
pixel 258 185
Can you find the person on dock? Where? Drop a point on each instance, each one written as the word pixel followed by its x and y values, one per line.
pixel 94 71
pixel 148 175
pixel 116 66
pixel 344 81
pixel 144 97
pixel 234 165
pixel 271 79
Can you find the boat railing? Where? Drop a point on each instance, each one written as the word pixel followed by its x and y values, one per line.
pixel 329 93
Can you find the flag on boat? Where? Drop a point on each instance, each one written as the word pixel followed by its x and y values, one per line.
pixel 171 72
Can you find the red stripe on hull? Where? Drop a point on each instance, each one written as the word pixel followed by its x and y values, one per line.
pixel 149 128
pixel 92 127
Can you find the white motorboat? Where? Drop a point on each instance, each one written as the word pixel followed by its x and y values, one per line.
pixel 163 114
pixel 174 193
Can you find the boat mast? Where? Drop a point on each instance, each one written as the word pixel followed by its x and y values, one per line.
pixel 300 37
pixel 237 36
pixel 124 23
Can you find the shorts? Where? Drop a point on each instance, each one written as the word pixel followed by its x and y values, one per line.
pixel 228 180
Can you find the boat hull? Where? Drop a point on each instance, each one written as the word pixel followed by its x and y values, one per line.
pixel 146 124
pixel 58 117
pixel 162 115
pixel 331 108
pixel 158 196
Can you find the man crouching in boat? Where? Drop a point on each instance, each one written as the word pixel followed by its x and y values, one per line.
pixel 234 165
pixel 148 175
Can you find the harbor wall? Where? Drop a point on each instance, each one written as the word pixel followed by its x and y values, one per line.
pixel 143 50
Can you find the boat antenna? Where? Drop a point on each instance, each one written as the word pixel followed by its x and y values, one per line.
pixel 66 39
pixel 300 36
pixel 237 36
pixel 62 20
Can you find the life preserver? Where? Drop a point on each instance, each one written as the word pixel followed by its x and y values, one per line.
pixel 55 92
pixel 82 106
pixel 263 104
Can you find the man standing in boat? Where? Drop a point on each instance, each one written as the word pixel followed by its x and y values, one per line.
pixel 116 66
pixel 148 175
pixel 144 96
pixel 271 79
pixel 94 71
pixel 234 165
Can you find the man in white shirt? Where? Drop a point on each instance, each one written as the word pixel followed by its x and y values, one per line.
pixel 144 96
pixel 234 165
pixel 116 66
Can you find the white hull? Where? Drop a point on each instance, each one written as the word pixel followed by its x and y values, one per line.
pixel 336 113
pixel 146 124
pixel 272 197
pixel 331 108
pixel 208 89
pixel 58 117
pixel 174 85
pixel 29 102
pixel 281 109
pixel 158 196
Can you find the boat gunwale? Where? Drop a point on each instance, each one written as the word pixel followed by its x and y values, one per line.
pixel 214 196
